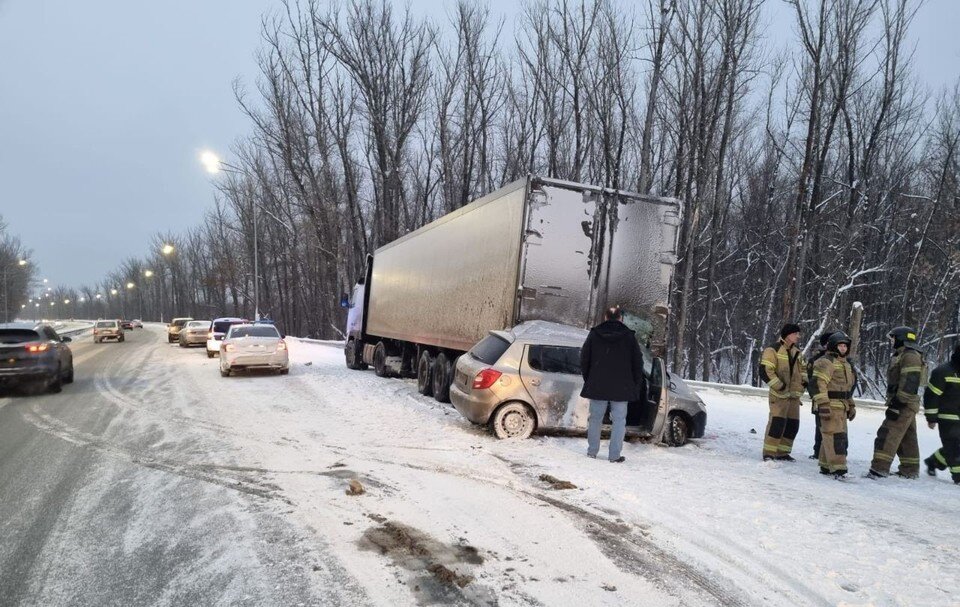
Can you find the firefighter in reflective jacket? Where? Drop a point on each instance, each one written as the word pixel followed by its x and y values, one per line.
pixel 897 436
pixel 811 387
pixel 783 369
pixel 833 398
pixel 941 405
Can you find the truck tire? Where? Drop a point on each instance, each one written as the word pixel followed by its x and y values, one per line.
pixel 425 373
pixel 354 358
pixel 677 432
pixel 442 373
pixel 513 421
pixel 380 360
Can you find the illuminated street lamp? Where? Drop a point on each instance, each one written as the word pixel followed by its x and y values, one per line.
pixel 213 165
pixel 113 291
pixel 148 273
pixel 167 249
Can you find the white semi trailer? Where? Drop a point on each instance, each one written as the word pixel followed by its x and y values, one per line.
pixel 536 249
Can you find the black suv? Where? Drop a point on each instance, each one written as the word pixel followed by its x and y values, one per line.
pixel 34 358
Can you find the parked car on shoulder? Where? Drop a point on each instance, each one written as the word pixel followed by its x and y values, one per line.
pixel 107 329
pixel 173 329
pixel 126 325
pixel 218 330
pixel 137 323
pixel 527 379
pixel 194 333
pixel 254 346
pixel 34 358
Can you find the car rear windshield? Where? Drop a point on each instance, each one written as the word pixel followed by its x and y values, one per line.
pixel 180 322
pixel 106 324
pixel 259 331
pixel 17 336
pixel 554 359
pixel 194 324
pixel 224 325
pixel 490 349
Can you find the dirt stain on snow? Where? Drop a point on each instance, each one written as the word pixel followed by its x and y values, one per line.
pixel 556 483
pixel 442 572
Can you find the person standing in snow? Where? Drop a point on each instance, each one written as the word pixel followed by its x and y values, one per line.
pixel 783 369
pixel 941 405
pixel 897 436
pixel 611 363
pixel 833 397
pixel 821 350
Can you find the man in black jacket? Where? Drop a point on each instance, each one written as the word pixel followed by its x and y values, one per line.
pixel 612 366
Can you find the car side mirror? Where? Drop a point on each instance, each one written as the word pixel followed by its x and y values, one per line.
pixel 66 340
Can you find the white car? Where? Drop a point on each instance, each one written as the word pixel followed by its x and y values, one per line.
pixel 250 346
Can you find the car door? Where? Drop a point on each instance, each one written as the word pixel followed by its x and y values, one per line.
pixel 658 393
pixel 551 375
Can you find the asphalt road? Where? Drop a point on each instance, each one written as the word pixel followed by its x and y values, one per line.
pixel 96 508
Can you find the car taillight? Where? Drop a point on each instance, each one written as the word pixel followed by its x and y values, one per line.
pixel 210 335
pixel 227 347
pixel 282 345
pixel 37 348
pixel 485 379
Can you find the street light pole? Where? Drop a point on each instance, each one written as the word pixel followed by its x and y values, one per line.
pixel 214 165
pixel 6 289
pixel 256 266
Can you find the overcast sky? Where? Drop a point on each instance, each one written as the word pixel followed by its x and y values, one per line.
pixel 106 104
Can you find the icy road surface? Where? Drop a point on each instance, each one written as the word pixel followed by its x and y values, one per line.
pixel 152 480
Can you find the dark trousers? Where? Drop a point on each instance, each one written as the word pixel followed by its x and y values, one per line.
pixel 817 437
pixel 948 456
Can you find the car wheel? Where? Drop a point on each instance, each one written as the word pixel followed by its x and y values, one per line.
pixel 122 339
pixel 677 432
pixel 513 421
pixel 182 344
pixel 224 372
pixel 354 359
pixel 441 378
pixel 425 373
pixel 380 360
pixel 209 354
pixel 69 378
pixel 284 371
pixel 55 383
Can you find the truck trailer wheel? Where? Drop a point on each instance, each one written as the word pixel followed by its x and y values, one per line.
pixel 513 420
pixel 380 360
pixel 354 358
pixel 425 373
pixel 442 374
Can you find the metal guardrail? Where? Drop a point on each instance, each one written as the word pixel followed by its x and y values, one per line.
pixel 75 330
pixel 754 391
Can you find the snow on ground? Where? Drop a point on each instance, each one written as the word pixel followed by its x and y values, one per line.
pixel 453 515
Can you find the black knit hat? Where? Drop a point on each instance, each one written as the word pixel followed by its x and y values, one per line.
pixel 788 329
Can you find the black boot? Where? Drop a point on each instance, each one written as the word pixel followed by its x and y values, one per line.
pixel 931 466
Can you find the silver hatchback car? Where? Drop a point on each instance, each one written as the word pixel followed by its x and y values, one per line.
pixel 527 379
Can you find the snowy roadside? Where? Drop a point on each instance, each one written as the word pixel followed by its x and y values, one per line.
pixel 706 524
